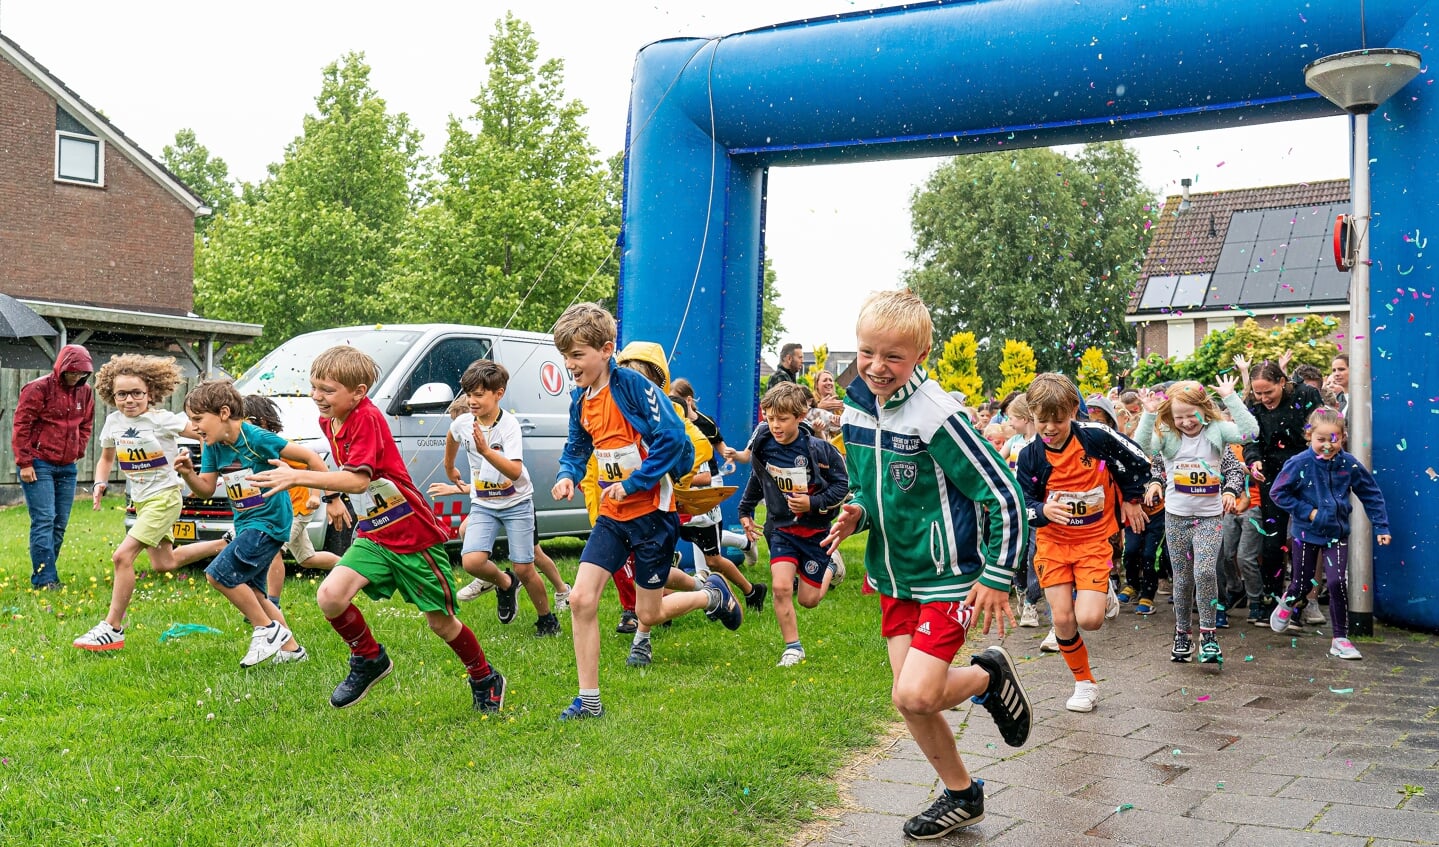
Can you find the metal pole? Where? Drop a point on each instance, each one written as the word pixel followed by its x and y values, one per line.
pixel 1361 409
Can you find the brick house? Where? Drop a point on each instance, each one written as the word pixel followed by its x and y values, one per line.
pixel 1222 257
pixel 96 236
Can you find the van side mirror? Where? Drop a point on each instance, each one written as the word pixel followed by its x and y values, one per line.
pixel 430 398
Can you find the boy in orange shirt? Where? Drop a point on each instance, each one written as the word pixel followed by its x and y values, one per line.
pixel 638 442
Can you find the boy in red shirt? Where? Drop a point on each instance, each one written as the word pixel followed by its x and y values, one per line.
pixel 400 546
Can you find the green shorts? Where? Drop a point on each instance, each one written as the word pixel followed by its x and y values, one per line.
pixel 155 518
pixel 422 578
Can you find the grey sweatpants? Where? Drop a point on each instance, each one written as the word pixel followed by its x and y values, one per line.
pixel 1239 556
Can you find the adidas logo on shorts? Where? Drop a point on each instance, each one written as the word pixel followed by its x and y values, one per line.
pixel 923 629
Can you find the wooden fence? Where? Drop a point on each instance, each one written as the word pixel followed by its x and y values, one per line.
pixel 12 380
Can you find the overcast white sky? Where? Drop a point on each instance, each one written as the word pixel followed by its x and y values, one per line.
pixel 243 75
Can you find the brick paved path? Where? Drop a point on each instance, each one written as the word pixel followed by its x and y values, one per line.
pixel 1273 751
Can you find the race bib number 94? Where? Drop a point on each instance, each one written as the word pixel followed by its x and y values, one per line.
pixel 617 465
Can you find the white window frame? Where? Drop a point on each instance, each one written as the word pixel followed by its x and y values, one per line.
pixel 99 159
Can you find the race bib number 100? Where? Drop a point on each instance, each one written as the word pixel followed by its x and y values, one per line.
pixel 790 480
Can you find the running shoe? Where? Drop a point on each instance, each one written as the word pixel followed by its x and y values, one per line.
pixel 945 815
pixel 754 600
pixel 790 657
pixel 285 657
pixel 1183 647
pixel 547 626
pixel 1209 650
pixel 628 624
pixel 576 711
pixel 474 589
pixel 364 673
pixel 101 637
pixel 1283 614
pixel 1029 615
pixel 1085 697
pixel 506 599
pixel 1050 644
pixel 265 642
pixel 1004 699
pixel 489 693
pixel 1343 648
pixel 727 609
pixel 1111 604
pixel 641 654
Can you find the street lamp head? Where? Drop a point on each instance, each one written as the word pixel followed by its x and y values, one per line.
pixel 1357 81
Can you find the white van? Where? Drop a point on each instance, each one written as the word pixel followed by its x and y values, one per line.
pixel 420 368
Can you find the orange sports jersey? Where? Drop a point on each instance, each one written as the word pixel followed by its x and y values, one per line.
pixel 619 453
pixel 1081 483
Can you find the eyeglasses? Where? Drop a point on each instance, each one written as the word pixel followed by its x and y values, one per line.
pixel 127 395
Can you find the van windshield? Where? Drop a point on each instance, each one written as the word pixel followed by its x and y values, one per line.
pixel 285 372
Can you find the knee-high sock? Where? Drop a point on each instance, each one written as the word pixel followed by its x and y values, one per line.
pixel 467 647
pixel 1076 655
pixel 351 626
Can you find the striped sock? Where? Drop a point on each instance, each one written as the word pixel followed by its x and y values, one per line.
pixel 590 700
pixel 1076 655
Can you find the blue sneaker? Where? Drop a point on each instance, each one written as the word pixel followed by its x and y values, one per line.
pixel 729 611
pixel 1221 619
pixel 576 711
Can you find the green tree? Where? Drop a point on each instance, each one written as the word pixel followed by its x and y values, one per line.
pixel 957 369
pixel 1032 244
pixel 1307 339
pixel 208 176
pixel 1017 367
pixel 771 312
pixel 1093 371
pixel 525 215
pixel 310 246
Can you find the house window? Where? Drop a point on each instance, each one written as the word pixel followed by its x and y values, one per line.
pixel 79 155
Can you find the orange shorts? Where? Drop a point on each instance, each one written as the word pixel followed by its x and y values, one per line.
pixel 1086 566
pixel 937 629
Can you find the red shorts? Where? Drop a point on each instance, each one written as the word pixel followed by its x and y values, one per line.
pixel 935 628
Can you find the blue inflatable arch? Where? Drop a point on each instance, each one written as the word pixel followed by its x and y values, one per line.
pixel 709 117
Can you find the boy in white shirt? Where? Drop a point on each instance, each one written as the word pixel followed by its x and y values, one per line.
pixel 501 496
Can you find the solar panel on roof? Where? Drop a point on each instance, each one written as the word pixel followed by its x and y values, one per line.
pixel 1158 292
pixel 1244 226
pixel 1234 257
pixel 1224 290
pixel 1259 290
pixel 1295 285
pixel 1268 257
pixel 1189 292
pixel 1277 225
pixel 1314 220
pixel 1330 285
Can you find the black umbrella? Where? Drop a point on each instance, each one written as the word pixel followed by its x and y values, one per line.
pixel 20 321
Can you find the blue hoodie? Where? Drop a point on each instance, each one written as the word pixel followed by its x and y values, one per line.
pixel 668 448
pixel 1308 483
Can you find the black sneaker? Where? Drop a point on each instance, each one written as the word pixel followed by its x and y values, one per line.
pixel 754 600
pixel 947 814
pixel 640 654
pixel 1004 698
pixel 505 598
pixel 729 612
pixel 628 624
pixel 364 673
pixel 547 626
pixel 1183 647
pixel 489 693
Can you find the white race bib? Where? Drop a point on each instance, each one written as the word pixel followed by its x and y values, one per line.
pixel 244 495
pixel 790 480
pixel 617 465
pixel 380 505
pixel 139 454
pixel 1084 507
pixel 489 482
pixel 1194 478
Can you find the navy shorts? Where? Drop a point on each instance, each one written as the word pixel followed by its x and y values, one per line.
pixel 707 538
pixel 651 538
pixel 807 554
pixel 246 560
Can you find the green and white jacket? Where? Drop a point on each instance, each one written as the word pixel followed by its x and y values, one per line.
pixel 942 508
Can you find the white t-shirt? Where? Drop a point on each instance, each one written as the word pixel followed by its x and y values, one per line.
pixel 145 449
pixel 489 487
pixel 1192 481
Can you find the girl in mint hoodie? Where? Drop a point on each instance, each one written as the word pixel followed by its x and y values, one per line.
pixel 1189 434
pixel 1314 488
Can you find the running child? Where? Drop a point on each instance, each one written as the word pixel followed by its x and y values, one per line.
pixel 1191 437
pixel 802 480
pixel 399 545
pixel 920 477
pixel 501 497
pixel 1076 476
pixel 141 435
pixel 1314 488
pixel 262 412
pixel 234 450
pixel 638 442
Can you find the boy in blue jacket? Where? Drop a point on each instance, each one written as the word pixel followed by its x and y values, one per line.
pixel 1314 488
pixel 803 482
pixel 638 441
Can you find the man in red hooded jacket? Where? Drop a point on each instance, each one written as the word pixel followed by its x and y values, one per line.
pixel 53 420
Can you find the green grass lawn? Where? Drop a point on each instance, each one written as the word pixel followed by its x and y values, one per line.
pixel 174 744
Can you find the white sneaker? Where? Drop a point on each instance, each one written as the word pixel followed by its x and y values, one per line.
pixel 1313 616
pixel 1029 615
pixel 1344 649
pixel 790 657
pixel 101 637
pixel 751 554
pixel 1111 604
pixel 562 601
pixel 285 657
pixel 1050 644
pixel 474 589
pixel 1086 697
pixel 265 643
pixel 838 569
